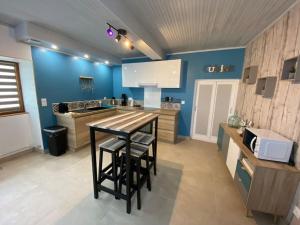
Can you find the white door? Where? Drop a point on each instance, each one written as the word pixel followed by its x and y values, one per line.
pixel 214 101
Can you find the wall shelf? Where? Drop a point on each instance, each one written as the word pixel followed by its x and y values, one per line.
pixel 266 86
pixel 86 78
pixel 250 74
pixel 291 70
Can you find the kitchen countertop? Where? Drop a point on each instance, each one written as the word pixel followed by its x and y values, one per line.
pixel 77 115
pixel 170 112
pixel 232 132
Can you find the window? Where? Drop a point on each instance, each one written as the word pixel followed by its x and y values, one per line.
pixel 11 100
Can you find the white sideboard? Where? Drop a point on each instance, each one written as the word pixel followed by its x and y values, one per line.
pixel 160 74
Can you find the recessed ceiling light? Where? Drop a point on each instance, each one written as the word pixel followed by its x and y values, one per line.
pixel 86 56
pixel 54 46
pixel 97 63
pixel 75 57
pixel 106 62
pixel 43 50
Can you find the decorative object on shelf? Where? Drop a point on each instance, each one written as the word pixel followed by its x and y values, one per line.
pixel 218 68
pixel 121 34
pixel 86 83
pixel 234 120
pixel 266 86
pixel 250 74
pixel 291 70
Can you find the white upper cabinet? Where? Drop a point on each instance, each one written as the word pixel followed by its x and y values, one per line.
pixel 160 74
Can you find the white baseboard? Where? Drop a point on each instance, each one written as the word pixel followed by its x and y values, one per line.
pixel 8 156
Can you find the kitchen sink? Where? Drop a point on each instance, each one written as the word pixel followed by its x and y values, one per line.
pixel 89 109
pixel 96 108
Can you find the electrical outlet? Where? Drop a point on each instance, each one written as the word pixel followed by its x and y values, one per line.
pixel 44 102
pixel 296 212
pixel 182 102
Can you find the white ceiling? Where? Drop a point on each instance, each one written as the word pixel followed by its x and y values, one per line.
pixel 187 25
pixel 84 21
pixel 175 25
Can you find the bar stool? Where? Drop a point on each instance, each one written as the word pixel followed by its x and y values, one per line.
pixel 137 153
pixel 146 140
pixel 112 146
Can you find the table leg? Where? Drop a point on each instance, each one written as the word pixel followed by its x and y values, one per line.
pixel 155 145
pixel 128 188
pixel 94 161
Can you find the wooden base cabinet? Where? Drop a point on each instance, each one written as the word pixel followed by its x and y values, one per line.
pixel 265 186
pixel 78 132
pixel 167 128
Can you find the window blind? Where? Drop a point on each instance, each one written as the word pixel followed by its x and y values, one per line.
pixel 10 88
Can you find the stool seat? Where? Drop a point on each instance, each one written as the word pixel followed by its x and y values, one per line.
pixel 142 138
pixel 112 144
pixel 136 150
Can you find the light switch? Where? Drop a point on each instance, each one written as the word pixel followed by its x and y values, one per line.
pixel 44 102
pixel 182 102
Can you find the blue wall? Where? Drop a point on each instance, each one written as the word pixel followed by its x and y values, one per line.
pixel 57 79
pixel 193 68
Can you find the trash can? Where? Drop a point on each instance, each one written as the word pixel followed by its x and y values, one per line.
pixel 57 139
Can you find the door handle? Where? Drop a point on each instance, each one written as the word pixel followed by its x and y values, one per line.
pixel 251 144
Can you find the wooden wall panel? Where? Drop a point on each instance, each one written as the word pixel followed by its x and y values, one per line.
pixel 268 51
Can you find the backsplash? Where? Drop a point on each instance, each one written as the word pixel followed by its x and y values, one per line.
pixel 80 104
pixel 170 105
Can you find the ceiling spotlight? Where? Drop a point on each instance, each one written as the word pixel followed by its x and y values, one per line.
pixel 86 56
pixel 106 62
pixel 54 46
pixel 127 43
pixel 118 38
pixel 109 32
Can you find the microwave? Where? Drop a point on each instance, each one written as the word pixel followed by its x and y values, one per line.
pixel 268 145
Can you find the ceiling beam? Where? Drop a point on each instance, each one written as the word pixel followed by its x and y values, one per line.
pixel 39 36
pixel 142 39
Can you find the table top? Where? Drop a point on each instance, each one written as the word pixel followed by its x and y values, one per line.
pixel 125 122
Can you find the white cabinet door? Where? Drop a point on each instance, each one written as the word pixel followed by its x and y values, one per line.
pixel 130 75
pixel 168 73
pixel 233 155
pixel 160 74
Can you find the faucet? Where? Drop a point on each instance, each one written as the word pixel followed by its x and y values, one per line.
pixel 85 104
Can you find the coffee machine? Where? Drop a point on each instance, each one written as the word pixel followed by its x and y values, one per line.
pixel 124 100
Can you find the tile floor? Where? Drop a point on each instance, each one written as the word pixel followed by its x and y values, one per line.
pixel 193 187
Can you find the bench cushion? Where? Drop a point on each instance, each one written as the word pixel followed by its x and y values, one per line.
pixel 112 144
pixel 136 150
pixel 142 138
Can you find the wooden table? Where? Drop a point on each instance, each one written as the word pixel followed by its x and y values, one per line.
pixel 123 125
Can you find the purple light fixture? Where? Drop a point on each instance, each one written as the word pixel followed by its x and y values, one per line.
pixel 109 32
pixel 121 34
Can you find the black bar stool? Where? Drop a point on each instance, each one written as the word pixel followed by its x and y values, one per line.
pixel 112 146
pixel 137 153
pixel 147 140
